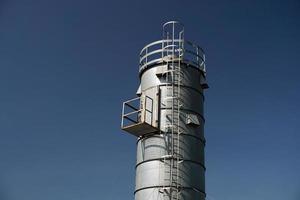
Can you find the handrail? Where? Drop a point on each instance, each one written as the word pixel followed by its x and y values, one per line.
pixel 127 114
pixel 135 110
pixel 154 53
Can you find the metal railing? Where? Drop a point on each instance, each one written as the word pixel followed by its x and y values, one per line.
pixel 137 110
pixel 186 51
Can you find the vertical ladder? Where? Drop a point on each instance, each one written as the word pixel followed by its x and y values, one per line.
pixel 178 104
pixel 166 190
pixel 172 55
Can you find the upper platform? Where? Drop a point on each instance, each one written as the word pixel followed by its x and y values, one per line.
pixel 172 48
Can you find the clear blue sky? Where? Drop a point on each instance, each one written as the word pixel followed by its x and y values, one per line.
pixel 66 66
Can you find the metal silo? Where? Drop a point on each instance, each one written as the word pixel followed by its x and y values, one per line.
pixel 167 119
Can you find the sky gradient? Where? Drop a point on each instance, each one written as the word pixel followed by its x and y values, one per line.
pixel 66 66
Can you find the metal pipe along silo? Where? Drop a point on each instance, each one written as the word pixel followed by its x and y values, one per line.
pixel 167 119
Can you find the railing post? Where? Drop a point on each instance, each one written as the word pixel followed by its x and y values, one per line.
pixel 146 57
pixel 151 112
pixel 122 121
pixel 197 48
pixel 204 68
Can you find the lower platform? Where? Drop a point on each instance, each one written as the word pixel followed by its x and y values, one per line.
pixel 139 129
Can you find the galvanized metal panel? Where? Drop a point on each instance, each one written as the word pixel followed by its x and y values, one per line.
pixel 192 99
pixel 155 147
pixel 190 78
pixel 156 174
pixel 156 194
pixel 197 131
pixel 152 170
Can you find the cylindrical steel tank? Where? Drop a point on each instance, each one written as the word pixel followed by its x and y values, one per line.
pixel 170 160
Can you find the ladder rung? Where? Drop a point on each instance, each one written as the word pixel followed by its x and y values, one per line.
pixel 167 156
pixel 171 97
pixel 167 71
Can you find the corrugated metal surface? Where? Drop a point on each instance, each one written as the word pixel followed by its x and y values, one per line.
pixel 153 172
